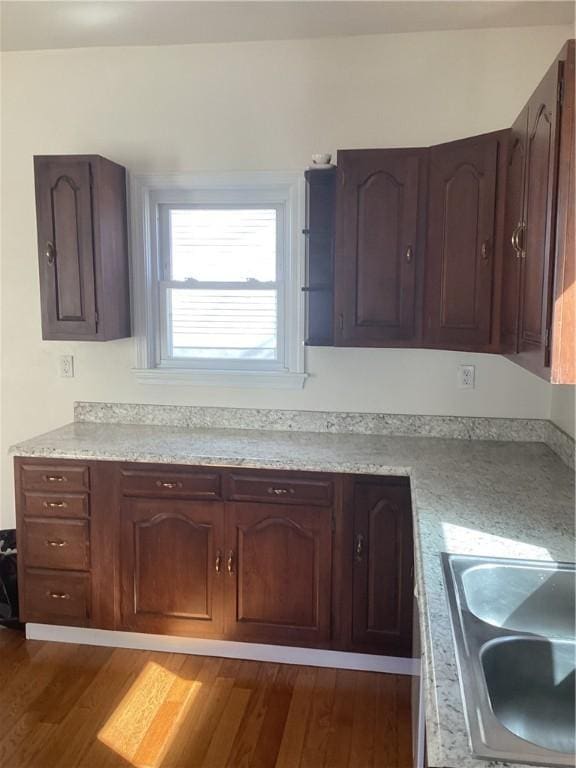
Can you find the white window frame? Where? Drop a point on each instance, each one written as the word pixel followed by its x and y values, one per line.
pixel 284 191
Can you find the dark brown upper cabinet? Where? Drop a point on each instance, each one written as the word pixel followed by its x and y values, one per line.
pixel 538 313
pixel 82 245
pixel 378 253
pixel 463 242
pixel 319 232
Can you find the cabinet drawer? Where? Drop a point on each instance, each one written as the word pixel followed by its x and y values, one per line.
pixel 55 478
pixel 56 505
pixel 190 485
pixel 56 544
pixel 280 490
pixel 55 597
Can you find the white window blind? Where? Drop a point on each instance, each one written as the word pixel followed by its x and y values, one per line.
pixel 219 284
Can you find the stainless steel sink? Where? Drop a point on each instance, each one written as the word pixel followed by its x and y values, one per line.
pixel 514 627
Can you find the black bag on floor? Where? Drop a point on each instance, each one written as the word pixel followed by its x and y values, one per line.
pixel 8 578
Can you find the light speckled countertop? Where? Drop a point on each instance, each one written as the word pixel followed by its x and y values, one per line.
pixel 509 499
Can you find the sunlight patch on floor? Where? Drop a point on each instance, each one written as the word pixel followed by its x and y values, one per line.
pixel 143 726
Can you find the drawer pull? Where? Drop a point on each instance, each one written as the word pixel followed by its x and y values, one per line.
pixel 280 491
pixel 166 484
pixel 55 505
pixel 58 595
pixel 56 543
pixel 54 478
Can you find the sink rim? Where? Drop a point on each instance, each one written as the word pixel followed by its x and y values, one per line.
pixel 488 737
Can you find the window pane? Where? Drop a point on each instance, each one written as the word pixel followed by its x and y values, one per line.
pixel 223 245
pixel 228 324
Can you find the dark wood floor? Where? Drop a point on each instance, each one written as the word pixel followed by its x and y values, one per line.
pixel 63 706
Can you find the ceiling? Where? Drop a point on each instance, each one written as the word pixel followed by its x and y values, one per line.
pixel 32 25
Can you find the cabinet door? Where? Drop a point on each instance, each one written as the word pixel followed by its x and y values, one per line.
pixel 383 571
pixel 279 563
pixel 377 247
pixel 172 563
pixel 461 243
pixel 539 214
pixel 513 232
pixel 66 247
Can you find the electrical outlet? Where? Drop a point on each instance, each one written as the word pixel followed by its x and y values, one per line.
pixel 67 366
pixel 466 376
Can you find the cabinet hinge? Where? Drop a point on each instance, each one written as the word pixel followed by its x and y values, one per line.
pixel 96 319
pixel 341 321
pixel 547 338
pixel 561 91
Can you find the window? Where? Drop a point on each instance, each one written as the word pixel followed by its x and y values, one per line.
pixel 217 266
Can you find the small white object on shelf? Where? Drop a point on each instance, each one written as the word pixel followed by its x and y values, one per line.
pixel 321 161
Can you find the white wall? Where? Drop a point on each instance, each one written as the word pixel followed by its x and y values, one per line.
pixel 248 107
pixel 562 411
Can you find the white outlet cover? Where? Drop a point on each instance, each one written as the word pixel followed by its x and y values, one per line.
pixel 466 376
pixel 66 366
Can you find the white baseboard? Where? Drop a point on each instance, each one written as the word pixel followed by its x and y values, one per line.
pixel 311 657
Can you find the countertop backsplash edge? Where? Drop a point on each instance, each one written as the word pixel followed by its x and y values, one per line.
pixel 386 424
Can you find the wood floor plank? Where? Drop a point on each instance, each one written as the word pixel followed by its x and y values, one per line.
pixel 270 737
pixel 290 752
pixel 341 723
pixel 316 740
pixel 249 731
pixel 228 725
pixel 66 706
pixel 365 721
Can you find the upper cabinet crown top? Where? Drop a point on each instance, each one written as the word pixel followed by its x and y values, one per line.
pixel 82 247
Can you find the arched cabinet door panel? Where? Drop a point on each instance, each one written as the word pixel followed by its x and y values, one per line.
pixel 383 576
pixel 66 247
pixel 278 573
pixel 172 566
pixel 378 254
pixel 462 243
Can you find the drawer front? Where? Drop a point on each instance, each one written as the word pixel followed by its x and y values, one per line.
pixel 55 478
pixel 56 544
pixel 280 490
pixel 54 597
pixel 56 505
pixel 190 485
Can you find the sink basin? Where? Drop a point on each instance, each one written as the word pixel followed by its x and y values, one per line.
pixel 513 623
pixel 531 687
pixel 523 598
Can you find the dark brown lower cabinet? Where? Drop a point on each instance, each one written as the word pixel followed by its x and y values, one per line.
pixel 172 566
pixel 279 567
pixel 290 558
pixel 382 589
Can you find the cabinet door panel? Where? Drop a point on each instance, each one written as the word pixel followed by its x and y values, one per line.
pixel 461 242
pixel 377 248
pixel 66 247
pixel 279 577
pixel 172 566
pixel 513 232
pixel 539 212
pixel 382 580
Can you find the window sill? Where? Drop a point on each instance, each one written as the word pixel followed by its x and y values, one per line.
pixel 238 379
